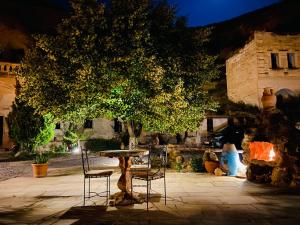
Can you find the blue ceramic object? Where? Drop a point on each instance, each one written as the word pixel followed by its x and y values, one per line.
pixel 230 159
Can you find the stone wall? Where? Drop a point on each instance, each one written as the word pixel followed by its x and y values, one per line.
pixel 250 70
pixel 241 75
pixel 102 128
pixel 7 96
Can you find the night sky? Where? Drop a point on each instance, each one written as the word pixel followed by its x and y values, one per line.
pixel 203 12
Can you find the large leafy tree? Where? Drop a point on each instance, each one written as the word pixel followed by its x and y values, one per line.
pixel 124 59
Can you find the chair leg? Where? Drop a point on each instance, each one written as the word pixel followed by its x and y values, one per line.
pixel 165 190
pixel 148 195
pixel 84 191
pixel 109 187
pixel 131 187
pixel 107 190
pixel 89 187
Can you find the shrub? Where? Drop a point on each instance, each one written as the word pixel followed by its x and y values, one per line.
pixel 197 165
pixel 58 148
pixel 178 166
pixel 70 138
pixel 41 158
pixel 28 129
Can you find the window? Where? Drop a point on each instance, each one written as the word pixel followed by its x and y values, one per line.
pixel 117 126
pixel 88 124
pixel 210 125
pixel 275 60
pixel 57 126
pixel 291 60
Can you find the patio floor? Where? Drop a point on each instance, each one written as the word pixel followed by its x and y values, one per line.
pixel 193 198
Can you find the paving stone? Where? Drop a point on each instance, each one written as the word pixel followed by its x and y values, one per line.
pixel 192 198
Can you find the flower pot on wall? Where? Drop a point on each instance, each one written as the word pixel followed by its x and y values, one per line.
pixel 268 99
pixel 39 170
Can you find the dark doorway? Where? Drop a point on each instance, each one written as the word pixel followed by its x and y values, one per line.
pixel 210 125
pixel 1 130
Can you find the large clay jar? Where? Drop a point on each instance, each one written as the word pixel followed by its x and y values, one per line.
pixel 210 166
pixel 230 159
pixel 268 99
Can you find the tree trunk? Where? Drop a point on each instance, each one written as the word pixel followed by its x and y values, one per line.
pixel 132 138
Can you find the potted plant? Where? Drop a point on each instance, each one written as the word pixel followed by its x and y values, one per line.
pixel 40 165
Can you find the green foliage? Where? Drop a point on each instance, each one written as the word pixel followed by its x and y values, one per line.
pixel 46 133
pixel 58 148
pixel 178 166
pixel 127 59
pixel 70 138
pixel 290 107
pixel 239 109
pixel 28 129
pixel 102 144
pixel 41 158
pixel 197 164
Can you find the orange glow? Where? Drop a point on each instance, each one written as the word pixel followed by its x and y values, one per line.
pixel 262 151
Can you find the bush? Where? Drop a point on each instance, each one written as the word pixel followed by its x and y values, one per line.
pixel 70 138
pixel 58 148
pixel 28 129
pixel 178 166
pixel 41 158
pixel 197 165
pixel 102 144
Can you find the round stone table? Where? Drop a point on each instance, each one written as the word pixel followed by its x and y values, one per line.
pixel 124 183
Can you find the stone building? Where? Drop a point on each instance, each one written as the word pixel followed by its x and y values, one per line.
pixel 268 60
pixel 98 128
pixel 7 96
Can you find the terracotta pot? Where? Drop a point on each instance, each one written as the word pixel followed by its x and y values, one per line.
pixel 39 170
pixel 268 99
pixel 210 166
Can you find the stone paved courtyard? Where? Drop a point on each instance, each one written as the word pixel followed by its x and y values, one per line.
pixel 193 198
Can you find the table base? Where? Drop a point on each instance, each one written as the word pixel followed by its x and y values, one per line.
pixel 124 198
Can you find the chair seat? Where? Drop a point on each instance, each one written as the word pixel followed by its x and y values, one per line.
pixel 98 173
pixel 139 167
pixel 144 175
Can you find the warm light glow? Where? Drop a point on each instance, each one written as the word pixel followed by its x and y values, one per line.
pixel 262 151
pixel 272 155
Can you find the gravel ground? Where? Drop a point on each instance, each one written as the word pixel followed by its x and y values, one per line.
pixel 23 168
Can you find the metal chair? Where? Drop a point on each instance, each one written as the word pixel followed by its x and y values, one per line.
pixel 88 174
pixel 156 169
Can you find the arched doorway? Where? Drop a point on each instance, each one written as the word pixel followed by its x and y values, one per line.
pixel 283 95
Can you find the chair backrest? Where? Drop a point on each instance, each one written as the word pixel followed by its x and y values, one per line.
pixel 157 159
pixel 140 159
pixel 84 158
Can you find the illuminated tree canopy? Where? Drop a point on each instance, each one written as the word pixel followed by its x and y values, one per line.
pixel 126 59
